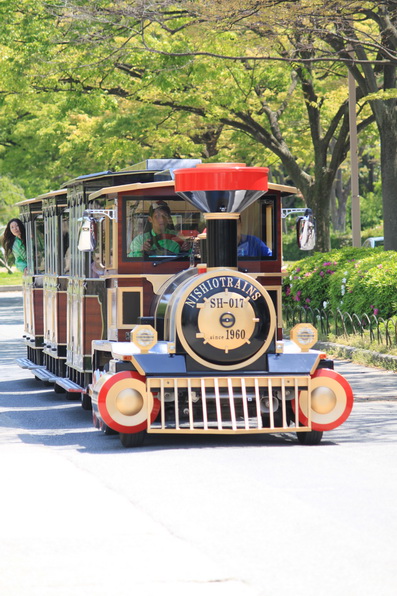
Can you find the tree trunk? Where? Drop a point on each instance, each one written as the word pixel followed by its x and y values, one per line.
pixel 318 198
pixel 338 203
pixel 388 142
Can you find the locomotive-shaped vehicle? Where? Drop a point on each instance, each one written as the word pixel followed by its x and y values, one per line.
pixel 148 298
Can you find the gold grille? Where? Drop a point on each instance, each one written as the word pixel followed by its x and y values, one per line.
pixel 227 404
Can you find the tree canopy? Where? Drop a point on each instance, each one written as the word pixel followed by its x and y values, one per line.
pixel 262 81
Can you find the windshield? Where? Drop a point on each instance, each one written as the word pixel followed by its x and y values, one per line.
pixel 155 229
pixel 162 229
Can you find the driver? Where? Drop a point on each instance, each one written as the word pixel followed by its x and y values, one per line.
pixel 161 239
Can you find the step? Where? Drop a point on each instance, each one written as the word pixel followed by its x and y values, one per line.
pixel 26 363
pixel 69 386
pixel 45 375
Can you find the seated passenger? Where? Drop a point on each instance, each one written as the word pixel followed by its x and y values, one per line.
pixel 250 246
pixel 161 238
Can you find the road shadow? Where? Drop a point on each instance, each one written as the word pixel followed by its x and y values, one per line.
pixel 43 417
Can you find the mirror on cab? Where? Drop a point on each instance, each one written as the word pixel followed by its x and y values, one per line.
pixel 87 240
pixel 306 231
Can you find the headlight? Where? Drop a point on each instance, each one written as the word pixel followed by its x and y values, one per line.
pixel 304 335
pixel 144 337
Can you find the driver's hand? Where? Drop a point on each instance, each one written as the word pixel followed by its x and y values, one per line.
pixel 147 246
pixel 186 246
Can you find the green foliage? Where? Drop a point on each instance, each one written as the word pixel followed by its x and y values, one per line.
pixel 339 240
pixel 126 104
pixel 367 285
pixel 10 193
pixel 371 209
pixel 80 92
pixel 355 280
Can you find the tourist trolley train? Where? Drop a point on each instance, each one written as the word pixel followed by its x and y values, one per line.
pixel 154 295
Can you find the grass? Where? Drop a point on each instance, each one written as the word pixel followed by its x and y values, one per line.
pixel 10 279
pixel 364 357
pixel 361 343
pixel 359 350
pixel 364 351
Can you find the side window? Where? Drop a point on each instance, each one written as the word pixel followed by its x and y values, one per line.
pixel 109 242
pixel 98 254
pixel 29 244
pixel 39 244
pixel 256 231
pixel 47 241
pixel 136 225
pixel 65 243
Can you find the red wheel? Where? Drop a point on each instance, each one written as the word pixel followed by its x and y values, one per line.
pixel 331 401
pixel 124 404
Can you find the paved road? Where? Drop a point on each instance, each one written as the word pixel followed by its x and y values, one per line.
pixel 369 383
pixel 255 516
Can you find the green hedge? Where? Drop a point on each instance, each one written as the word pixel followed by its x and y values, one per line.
pixel 355 280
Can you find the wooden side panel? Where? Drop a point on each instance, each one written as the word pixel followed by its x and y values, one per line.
pixel 93 322
pixel 38 311
pixel 61 317
pixel 47 303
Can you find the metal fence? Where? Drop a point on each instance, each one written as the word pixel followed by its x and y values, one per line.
pixel 369 327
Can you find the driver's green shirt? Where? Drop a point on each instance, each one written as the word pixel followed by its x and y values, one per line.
pixel 160 245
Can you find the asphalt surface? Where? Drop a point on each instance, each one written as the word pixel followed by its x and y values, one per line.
pixel 192 516
pixel 373 384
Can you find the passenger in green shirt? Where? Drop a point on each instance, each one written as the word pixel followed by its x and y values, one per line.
pixel 161 239
pixel 14 241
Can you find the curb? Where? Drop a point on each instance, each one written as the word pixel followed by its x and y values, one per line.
pixel 10 288
pixel 350 353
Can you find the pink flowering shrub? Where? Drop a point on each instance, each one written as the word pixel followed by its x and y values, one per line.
pixel 355 280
